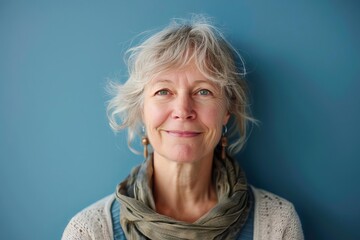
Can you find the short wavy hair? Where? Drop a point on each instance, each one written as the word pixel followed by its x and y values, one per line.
pixel 178 44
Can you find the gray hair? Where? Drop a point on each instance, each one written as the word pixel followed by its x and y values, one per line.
pixel 174 47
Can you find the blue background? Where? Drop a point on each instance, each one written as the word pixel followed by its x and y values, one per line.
pixel 58 154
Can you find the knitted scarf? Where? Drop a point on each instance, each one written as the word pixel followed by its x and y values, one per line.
pixel 139 219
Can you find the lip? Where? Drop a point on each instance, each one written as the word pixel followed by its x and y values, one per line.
pixel 177 133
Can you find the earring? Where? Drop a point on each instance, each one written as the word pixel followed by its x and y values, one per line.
pixel 145 142
pixel 224 143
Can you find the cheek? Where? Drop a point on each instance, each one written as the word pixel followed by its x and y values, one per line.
pixel 153 116
pixel 214 120
pixel 216 114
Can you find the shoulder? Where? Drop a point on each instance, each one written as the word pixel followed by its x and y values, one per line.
pixel 94 222
pixel 271 204
pixel 275 217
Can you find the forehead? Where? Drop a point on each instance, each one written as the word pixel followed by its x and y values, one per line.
pixel 189 73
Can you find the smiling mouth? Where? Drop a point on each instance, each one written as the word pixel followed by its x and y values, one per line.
pixel 183 133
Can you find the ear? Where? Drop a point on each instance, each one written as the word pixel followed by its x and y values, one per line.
pixel 226 118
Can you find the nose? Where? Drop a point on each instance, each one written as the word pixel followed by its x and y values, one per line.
pixel 183 108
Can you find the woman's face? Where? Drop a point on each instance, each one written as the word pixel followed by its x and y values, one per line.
pixel 183 114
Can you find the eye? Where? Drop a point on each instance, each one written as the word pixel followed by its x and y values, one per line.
pixel 204 92
pixel 162 92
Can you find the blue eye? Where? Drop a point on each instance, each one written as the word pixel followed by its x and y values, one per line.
pixel 162 92
pixel 204 92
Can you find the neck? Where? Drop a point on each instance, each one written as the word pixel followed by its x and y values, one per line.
pixel 183 191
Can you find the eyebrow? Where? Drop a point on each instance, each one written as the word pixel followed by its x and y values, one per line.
pixel 155 81
pixel 161 81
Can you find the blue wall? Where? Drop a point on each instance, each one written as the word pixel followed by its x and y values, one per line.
pixel 58 155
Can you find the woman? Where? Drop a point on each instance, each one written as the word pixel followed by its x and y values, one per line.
pixel 184 96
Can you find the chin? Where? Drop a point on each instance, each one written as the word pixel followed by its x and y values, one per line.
pixel 182 153
pixel 183 158
pixel 186 156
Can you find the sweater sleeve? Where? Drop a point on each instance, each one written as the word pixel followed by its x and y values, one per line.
pixel 293 229
pixel 275 218
pixel 92 223
pixel 76 230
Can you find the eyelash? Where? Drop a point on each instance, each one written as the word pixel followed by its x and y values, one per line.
pixel 208 92
pixel 164 92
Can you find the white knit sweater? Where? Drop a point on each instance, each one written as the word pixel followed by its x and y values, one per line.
pixel 274 218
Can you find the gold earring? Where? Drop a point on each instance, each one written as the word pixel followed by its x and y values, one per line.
pixel 145 142
pixel 224 143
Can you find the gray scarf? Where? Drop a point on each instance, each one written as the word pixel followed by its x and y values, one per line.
pixel 139 219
